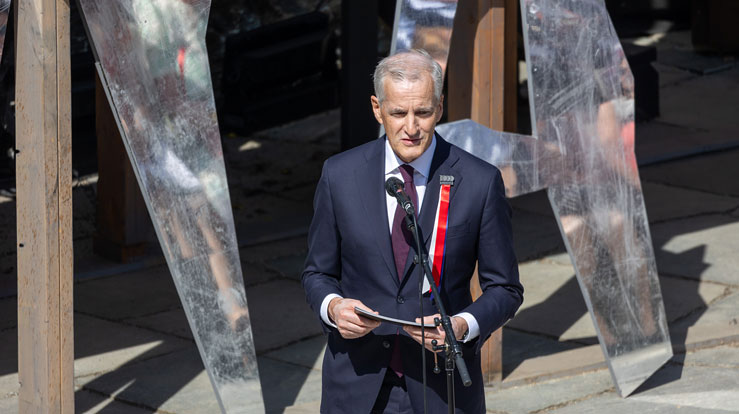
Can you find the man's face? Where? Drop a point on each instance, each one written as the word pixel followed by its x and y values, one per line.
pixel 409 115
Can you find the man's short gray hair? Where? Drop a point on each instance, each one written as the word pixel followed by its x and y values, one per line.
pixel 408 65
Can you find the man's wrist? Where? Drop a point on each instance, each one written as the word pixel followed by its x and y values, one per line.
pixel 462 329
pixel 331 305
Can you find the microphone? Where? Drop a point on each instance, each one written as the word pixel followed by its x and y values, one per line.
pixel 394 187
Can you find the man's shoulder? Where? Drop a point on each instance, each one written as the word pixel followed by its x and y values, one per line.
pixel 354 157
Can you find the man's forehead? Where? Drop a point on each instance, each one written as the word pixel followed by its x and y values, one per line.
pixel 419 82
pixel 399 93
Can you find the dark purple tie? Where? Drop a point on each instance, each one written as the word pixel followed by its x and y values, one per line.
pixel 402 239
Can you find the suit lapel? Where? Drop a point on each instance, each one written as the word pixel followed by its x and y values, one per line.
pixel 442 164
pixel 372 177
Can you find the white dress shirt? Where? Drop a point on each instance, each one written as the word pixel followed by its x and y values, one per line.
pixel 421 167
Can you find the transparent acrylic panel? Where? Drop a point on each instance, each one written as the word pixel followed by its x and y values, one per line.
pixel 154 65
pixel 582 104
pixel 582 101
pixel 4 10
pixel 424 24
pixel 526 163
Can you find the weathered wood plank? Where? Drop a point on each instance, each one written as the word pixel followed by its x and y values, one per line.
pixel 44 207
pixel 482 87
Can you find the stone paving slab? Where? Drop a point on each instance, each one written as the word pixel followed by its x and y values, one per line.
pixel 323 128
pixel 520 346
pixel 534 235
pixel 8 385
pixel 714 173
pixel 280 314
pixel 701 248
pixel 672 389
pixel 660 141
pixel 716 325
pixel 175 383
pixel 536 202
pixel 289 266
pixel 556 365
pixel 281 218
pixel 284 385
pixel 542 395
pixel 128 295
pixel 274 249
pixel 707 102
pixel 664 202
pixel 273 326
pixel 684 297
pixel 256 273
pixel 265 166
pixel 8 360
pixel 670 75
pixel 9 405
pixel 8 313
pixel 553 305
pixel 100 404
pixel 307 353
pixel 173 322
pixel 102 346
pixel 724 356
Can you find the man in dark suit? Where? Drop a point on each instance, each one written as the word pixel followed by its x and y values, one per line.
pixel 360 254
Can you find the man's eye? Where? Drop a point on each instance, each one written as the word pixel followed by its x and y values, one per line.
pixel 398 114
pixel 423 114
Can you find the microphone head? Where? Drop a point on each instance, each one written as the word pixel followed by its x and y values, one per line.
pixel 392 185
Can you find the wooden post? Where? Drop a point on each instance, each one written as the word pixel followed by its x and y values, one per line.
pixel 358 60
pixel 482 86
pixel 123 228
pixel 44 203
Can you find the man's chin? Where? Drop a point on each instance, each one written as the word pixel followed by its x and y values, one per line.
pixel 409 156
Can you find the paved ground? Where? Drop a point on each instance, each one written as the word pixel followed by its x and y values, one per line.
pixel 134 352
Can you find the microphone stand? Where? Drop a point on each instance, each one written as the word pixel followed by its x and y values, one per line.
pixel 451 348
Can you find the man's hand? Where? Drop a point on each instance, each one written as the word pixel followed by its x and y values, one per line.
pixel 350 325
pixel 459 326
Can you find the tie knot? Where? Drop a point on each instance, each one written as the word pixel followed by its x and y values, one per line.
pixel 407 172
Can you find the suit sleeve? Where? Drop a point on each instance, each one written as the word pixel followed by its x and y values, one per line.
pixel 322 269
pixel 502 292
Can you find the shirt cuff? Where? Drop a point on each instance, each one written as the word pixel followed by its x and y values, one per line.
pixel 473 328
pixel 324 309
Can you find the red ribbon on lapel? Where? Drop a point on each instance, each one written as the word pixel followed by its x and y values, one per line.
pixel 438 238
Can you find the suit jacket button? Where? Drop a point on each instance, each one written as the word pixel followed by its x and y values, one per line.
pixel 401 299
pixel 385 344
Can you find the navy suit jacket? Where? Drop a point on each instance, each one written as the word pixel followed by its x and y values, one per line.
pixel 350 254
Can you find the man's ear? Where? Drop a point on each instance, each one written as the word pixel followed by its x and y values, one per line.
pixel 440 109
pixel 376 108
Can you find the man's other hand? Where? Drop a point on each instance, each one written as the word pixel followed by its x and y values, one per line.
pixel 459 326
pixel 350 325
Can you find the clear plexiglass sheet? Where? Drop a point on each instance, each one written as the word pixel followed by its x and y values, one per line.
pixel 582 100
pixel 4 10
pixel 582 151
pixel 424 24
pixel 155 69
pixel 526 163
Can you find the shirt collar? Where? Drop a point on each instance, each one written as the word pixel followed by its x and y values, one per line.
pixel 422 164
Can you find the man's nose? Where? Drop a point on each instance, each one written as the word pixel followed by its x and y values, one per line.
pixel 411 125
